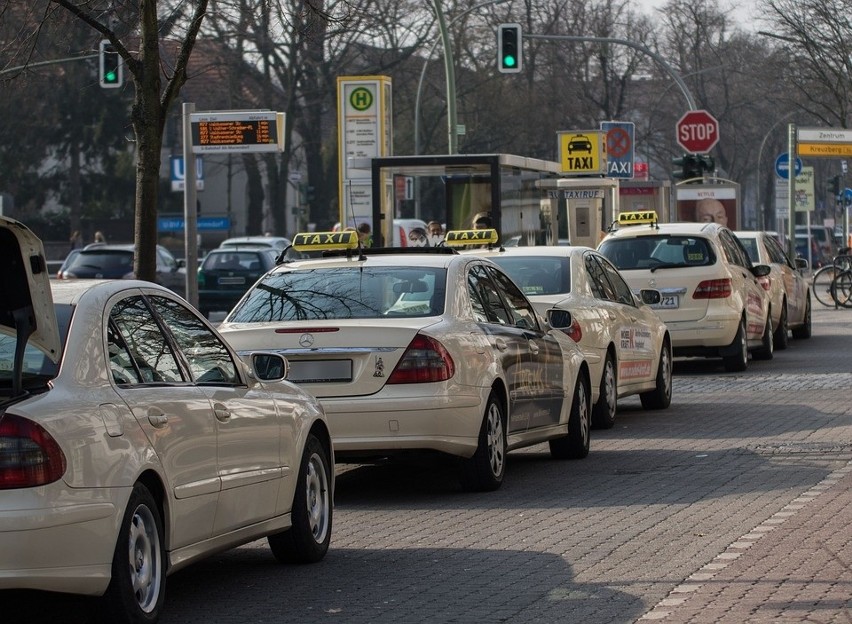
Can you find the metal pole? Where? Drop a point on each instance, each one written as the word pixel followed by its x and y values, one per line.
pixel 449 66
pixel 791 192
pixel 190 218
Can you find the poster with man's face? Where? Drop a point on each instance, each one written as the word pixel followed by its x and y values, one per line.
pixel 708 205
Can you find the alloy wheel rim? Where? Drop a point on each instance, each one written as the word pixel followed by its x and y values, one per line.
pixel 144 558
pixel 317 497
pixel 496 452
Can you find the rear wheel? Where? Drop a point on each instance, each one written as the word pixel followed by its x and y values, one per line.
pixel 576 444
pixel 804 332
pixel 661 396
pixel 737 361
pixel 138 586
pixel 484 471
pixel 603 415
pixel 307 540
pixel 781 330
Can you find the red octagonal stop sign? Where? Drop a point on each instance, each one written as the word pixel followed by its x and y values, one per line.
pixel 697 132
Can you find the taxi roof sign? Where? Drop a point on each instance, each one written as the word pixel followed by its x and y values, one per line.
pixel 316 241
pixel 637 218
pixel 455 238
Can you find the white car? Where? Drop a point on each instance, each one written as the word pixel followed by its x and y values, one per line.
pixel 712 301
pixel 134 441
pixel 627 346
pixel 275 242
pixel 420 350
pixel 787 285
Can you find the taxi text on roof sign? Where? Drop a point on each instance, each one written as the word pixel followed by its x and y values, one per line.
pixel 637 218
pixel 471 237
pixel 582 151
pixel 308 241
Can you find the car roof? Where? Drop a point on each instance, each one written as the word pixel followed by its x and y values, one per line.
pixel 260 241
pixel 426 259
pixel 680 227
pixel 534 250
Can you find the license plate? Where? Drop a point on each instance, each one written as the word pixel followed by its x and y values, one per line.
pixel 318 371
pixel 668 302
pixel 231 281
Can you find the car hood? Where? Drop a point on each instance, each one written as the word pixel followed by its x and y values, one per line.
pixel 26 305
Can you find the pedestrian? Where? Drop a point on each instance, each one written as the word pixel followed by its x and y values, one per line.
pixel 99 237
pixel 76 240
pixel 364 235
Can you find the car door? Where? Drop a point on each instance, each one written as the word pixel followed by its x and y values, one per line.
pixel 248 428
pixel 174 414
pixel 755 297
pixel 795 284
pixel 531 358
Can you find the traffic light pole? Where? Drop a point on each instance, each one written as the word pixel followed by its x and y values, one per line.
pixel 690 101
pixel 70 59
pixel 451 78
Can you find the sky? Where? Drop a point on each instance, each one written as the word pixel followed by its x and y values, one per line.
pixel 743 12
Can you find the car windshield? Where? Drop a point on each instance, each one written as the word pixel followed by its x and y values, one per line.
pixel 344 293
pixel 538 275
pixel 653 252
pixel 37 367
pixel 110 261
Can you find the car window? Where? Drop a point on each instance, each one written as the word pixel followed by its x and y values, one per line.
pixel 234 261
pixel 734 249
pixel 209 360
pixel 622 291
pixel 601 287
pixel 487 305
pixel 167 259
pixel 776 253
pixel 137 333
pixel 521 310
pixel 750 245
pixel 344 293
pixel 538 275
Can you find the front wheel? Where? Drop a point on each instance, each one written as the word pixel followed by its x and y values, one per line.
pixel 484 471
pixel 661 396
pixel 781 330
pixel 822 285
pixel 138 586
pixel 804 331
pixel 767 344
pixel 307 540
pixel 576 444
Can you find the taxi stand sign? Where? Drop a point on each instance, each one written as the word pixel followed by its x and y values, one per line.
pixel 583 152
pixel 317 241
pixel 456 238
pixel 637 218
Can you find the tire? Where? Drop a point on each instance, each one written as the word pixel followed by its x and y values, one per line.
pixel 576 444
pixel 661 396
pixel 842 288
pixel 603 414
pixel 804 332
pixel 138 585
pixel 821 285
pixel 737 362
pixel 767 345
pixel 484 471
pixel 781 332
pixel 308 538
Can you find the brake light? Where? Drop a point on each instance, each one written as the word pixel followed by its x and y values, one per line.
pixel 765 281
pixel 575 332
pixel 29 455
pixel 713 289
pixel 424 361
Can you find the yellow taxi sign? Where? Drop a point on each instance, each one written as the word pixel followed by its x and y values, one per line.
pixel 456 238
pixel 314 241
pixel 637 218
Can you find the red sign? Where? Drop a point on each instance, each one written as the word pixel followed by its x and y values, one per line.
pixel 697 132
pixel 640 170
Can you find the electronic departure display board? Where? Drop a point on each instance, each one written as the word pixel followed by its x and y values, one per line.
pixel 239 131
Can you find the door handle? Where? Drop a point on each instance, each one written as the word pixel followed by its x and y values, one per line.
pixel 533 347
pixel 157 419
pixel 501 344
pixel 223 414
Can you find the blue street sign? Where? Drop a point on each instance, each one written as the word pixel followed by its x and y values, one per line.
pixel 847 194
pixel 178 173
pixel 175 224
pixel 619 148
pixel 782 166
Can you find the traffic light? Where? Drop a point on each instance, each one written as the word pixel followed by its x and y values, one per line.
pixel 509 53
pixel 706 163
pixel 111 69
pixel 691 166
pixel 835 186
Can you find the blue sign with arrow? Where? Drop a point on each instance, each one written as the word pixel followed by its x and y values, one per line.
pixel 782 166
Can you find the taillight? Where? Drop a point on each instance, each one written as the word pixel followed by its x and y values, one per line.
pixel 575 332
pixel 424 361
pixel 713 289
pixel 765 281
pixel 29 456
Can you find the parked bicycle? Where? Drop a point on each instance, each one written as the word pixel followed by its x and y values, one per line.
pixel 832 284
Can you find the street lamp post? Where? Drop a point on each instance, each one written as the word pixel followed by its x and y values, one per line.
pixel 452 121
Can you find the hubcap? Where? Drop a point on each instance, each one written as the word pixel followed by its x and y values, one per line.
pixel 496 451
pixel 317 497
pixel 609 377
pixel 583 403
pixel 144 558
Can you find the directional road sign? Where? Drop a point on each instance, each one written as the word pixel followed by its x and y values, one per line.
pixel 782 166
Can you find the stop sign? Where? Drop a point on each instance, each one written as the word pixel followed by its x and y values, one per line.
pixel 697 132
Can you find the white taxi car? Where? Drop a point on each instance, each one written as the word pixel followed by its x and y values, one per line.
pixel 420 349
pixel 627 346
pixel 788 287
pixel 133 441
pixel 712 301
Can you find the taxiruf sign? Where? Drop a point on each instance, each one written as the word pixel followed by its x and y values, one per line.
pixel 697 132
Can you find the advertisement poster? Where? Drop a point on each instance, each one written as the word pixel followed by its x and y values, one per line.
pixel 708 204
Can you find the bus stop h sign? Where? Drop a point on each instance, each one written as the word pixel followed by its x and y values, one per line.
pixel 697 131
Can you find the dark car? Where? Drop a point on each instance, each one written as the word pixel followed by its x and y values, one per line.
pixel 227 273
pixel 105 261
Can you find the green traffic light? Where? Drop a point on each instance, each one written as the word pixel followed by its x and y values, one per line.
pixel 110 76
pixel 508 61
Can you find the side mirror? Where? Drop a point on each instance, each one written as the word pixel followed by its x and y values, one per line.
pixel 268 366
pixel 559 319
pixel 650 296
pixel 761 270
pixel 802 264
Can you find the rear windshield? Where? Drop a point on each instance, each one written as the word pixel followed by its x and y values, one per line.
pixel 105 260
pixel 652 252
pixel 37 367
pixel 344 293
pixel 538 275
pixel 234 261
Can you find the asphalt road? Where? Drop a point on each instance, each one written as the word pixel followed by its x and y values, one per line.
pixel 616 537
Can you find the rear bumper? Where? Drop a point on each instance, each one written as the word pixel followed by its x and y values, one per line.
pixel 710 333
